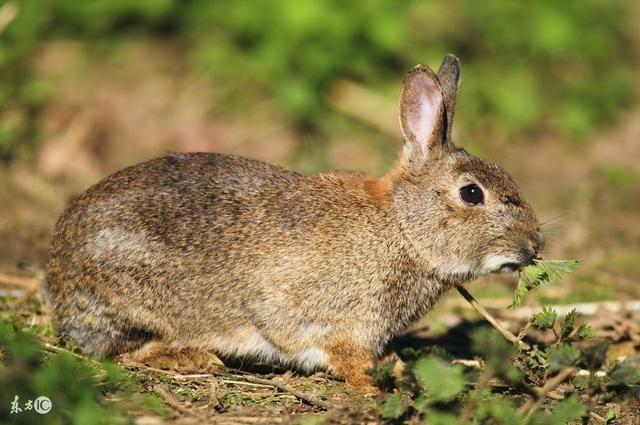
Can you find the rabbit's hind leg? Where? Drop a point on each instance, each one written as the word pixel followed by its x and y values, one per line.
pixel 186 359
pixel 352 362
pixel 98 328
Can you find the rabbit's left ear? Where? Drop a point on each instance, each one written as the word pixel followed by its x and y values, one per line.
pixel 449 77
pixel 422 115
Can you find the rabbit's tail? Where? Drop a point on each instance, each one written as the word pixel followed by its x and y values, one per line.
pixel 98 328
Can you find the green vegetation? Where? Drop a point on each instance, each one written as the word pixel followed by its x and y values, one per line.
pixel 539 273
pixel 528 68
pixel 513 381
pixel 79 390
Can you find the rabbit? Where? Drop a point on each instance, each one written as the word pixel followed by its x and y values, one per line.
pixel 196 253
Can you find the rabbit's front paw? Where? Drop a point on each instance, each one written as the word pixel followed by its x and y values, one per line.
pixel 187 359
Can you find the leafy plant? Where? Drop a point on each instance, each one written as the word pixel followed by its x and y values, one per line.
pixel 78 390
pixel 541 272
pixel 545 319
pixel 446 393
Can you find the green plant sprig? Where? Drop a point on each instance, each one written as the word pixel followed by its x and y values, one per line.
pixel 541 271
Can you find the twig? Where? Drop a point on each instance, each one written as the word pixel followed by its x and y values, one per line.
pixel 313 400
pixel 171 401
pixel 235 420
pixel 174 375
pixel 531 405
pixel 25 282
pixel 597 417
pixel 250 384
pixel 58 350
pixel 524 330
pixel 484 313
pixel 473 364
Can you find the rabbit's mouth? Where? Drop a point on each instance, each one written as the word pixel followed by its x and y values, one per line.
pixel 515 266
pixel 503 264
pixel 509 267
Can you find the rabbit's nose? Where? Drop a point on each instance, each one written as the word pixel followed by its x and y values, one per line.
pixel 538 242
pixel 533 246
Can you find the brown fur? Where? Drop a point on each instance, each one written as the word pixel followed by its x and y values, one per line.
pixel 215 252
pixel 160 356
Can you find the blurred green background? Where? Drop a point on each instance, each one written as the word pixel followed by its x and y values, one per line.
pixel 565 67
pixel 549 89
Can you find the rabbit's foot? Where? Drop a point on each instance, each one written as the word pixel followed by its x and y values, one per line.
pixel 187 359
pixel 352 363
pixel 361 382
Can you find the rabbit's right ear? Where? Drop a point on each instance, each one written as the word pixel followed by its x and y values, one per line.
pixel 449 77
pixel 422 115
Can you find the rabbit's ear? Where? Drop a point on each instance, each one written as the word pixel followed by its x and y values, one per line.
pixel 449 77
pixel 422 114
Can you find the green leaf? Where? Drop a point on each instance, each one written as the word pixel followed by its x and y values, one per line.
pixel 393 407
pixel 581 382
pixel 541 272
pixel 562 356
pixel 624 373
pixel 497 352
pixel 585 331
pixel 521 292
pixel 435 417
pixel 611 415
pixel 422 404
pixel 382 375
pixel 441 381
pixel 568 410
pixel 568 324
pixel 545 319
pixel 595 355
pixel 498 409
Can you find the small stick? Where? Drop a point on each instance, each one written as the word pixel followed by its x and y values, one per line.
pixel 58 350
pixel 484 313
pixel 168 398
pixel 473 364
pixel 25 282
pixel 531 405
pixel 250 384
pixel 524 330
pixel 251 379
pixel 313 400
pixel 174 375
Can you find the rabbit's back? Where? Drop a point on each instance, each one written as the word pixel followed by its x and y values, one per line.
pixel 215 241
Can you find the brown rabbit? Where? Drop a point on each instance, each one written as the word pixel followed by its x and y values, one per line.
pixel 197 252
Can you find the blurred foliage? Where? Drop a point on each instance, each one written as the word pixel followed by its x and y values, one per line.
pixel 562 66
pixel 435 391
pixel 77 389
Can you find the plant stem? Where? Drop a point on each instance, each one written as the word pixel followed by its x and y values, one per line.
pixel 484 313
pixel 530 406
pixel 311 399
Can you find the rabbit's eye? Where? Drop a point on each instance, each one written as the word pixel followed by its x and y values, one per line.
pixel 472 194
